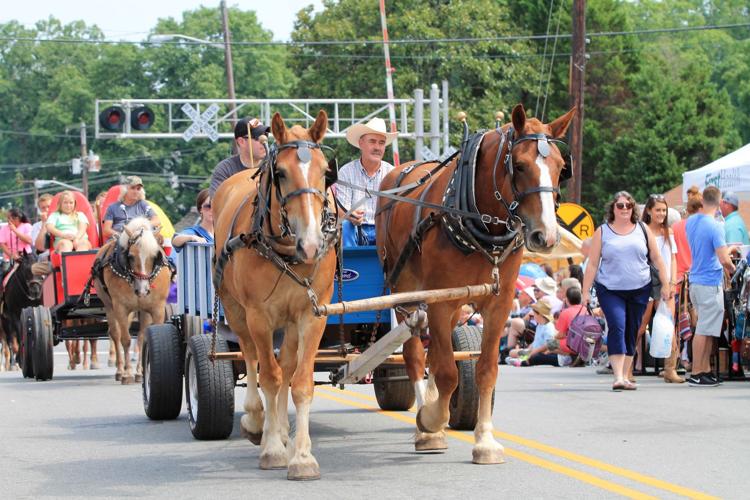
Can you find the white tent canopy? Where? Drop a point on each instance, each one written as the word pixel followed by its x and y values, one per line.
pixel 728 173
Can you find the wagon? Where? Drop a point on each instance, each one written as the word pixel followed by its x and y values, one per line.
pixel 178 351
pixel 65 313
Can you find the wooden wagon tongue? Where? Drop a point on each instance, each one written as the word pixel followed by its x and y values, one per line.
pixel 405 298
pixel 354 367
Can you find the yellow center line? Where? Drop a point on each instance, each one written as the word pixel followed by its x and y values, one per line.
pixel 539 462
pixel 574 457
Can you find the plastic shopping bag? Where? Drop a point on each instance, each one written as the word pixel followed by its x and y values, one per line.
pixel 662 332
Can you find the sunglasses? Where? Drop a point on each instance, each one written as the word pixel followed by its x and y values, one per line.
pixel 656 196
pixel 623 206
pixel 206 205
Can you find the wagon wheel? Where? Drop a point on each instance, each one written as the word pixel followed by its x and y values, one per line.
pixel 162 372
pixel 209 389
pixel 397 395
pixel 41 343
pixel 27 329
pixel 465 399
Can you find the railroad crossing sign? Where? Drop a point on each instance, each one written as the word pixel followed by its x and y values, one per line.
pixel 200 122
pixel 576 219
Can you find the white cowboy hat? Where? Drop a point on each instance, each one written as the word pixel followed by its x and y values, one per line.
pixel 374 126
pixel 546 285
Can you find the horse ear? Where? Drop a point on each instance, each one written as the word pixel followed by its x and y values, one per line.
pixel 320 127
pixel 278 128
pixel 560 126
pixel 518 116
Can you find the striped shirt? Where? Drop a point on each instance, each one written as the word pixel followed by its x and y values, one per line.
pixel 354 173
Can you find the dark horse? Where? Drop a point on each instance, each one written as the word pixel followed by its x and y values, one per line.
pixel 510 188
pixel 22 289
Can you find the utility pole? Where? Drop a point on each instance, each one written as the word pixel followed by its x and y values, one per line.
pixel 228 57
pixel 84 163
pixel 389 82
pixel 577 74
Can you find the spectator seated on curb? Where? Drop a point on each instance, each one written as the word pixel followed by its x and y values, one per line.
pixel 572 308
pixel 520 327
pixel 545 348
pixel 546 289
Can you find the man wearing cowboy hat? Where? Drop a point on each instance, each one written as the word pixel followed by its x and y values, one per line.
pixel 247 134
pixel 131 204
pixel 367 171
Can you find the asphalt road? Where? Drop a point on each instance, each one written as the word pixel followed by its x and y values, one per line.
pixel 565 433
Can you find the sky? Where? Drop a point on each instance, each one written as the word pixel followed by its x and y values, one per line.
pixel 132 19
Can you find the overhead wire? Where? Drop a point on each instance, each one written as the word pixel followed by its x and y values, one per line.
pixel 551 62
pixel 544 56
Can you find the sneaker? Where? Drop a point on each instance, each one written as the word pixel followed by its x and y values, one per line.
pixel 604 370
pixel 715 378
pixel 564 360
pixel 513 361
pixel 702 380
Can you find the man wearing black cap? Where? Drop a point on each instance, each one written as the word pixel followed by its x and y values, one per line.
pixel 247 133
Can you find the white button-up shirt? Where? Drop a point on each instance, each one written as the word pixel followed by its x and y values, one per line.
pixel 354 173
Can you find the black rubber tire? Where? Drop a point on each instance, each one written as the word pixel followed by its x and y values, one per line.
pixel 393 396
pixel 162 372
pixel 27 330
pixel 209 390
pixel 465 399
pixel 41 345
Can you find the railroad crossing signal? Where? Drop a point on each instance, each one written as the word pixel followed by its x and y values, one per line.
pixel 200 122
pixel 576 219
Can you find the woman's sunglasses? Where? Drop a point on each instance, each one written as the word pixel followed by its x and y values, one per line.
pixel 623 206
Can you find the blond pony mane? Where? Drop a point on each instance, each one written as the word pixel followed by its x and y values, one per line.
pixel 147 242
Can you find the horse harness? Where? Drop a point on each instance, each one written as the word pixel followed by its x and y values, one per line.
pixel 464 225
pixel 117 261
pixel 270 246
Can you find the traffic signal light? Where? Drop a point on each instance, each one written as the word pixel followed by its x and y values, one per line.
pixel 112 118
pixel 141 118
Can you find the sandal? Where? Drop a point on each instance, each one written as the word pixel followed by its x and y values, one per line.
pixel 630 386
pixel 618 386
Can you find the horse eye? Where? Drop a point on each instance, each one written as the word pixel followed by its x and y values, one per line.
pixel 281 174
pixel 520 167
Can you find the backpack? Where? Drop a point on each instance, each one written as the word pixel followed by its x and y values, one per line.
pixel 585 335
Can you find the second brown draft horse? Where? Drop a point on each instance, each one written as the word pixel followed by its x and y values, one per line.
pixel 508 179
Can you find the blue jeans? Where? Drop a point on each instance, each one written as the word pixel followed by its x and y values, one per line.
pixel 624 310
pixel 357 236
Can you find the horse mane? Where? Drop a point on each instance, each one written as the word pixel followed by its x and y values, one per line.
pixel 147 242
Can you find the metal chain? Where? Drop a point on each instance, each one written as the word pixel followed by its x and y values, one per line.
pixel 214 328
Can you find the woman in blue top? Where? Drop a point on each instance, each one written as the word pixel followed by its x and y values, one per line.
pixel 203 232
pixel 618 259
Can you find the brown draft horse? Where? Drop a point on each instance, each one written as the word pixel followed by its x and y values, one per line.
pixel 259 298
pixel 131 275
pixel 440 264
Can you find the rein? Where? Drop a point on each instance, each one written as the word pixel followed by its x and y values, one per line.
pixel 269 245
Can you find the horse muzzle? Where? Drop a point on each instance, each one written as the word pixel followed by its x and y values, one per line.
pixel 542 240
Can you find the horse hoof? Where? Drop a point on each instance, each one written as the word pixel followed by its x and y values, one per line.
pixel 487 455
pixel 270 461
pixel 421 426
pixel 138 379
pixel 435 443
pixel 118 377
pixel 303 471
pixel 126 380
pixel 253 437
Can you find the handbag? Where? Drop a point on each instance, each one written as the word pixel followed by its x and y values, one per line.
pixel 585 335
pixel 684 322
pixel 655 280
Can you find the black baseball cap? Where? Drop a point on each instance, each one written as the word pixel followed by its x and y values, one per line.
pixel 256 128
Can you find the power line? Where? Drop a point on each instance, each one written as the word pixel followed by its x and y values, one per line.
pixel 313 43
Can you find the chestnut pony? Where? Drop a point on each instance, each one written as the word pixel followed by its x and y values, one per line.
pixel 531 180
pixel 259 297
pixel 131 274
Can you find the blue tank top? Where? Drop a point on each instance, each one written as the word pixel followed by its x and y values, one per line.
pixel 624 263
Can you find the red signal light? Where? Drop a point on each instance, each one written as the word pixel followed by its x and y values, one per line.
pixel 112 119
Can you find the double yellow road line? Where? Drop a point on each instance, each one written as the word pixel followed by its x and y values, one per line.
pixel 332 394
